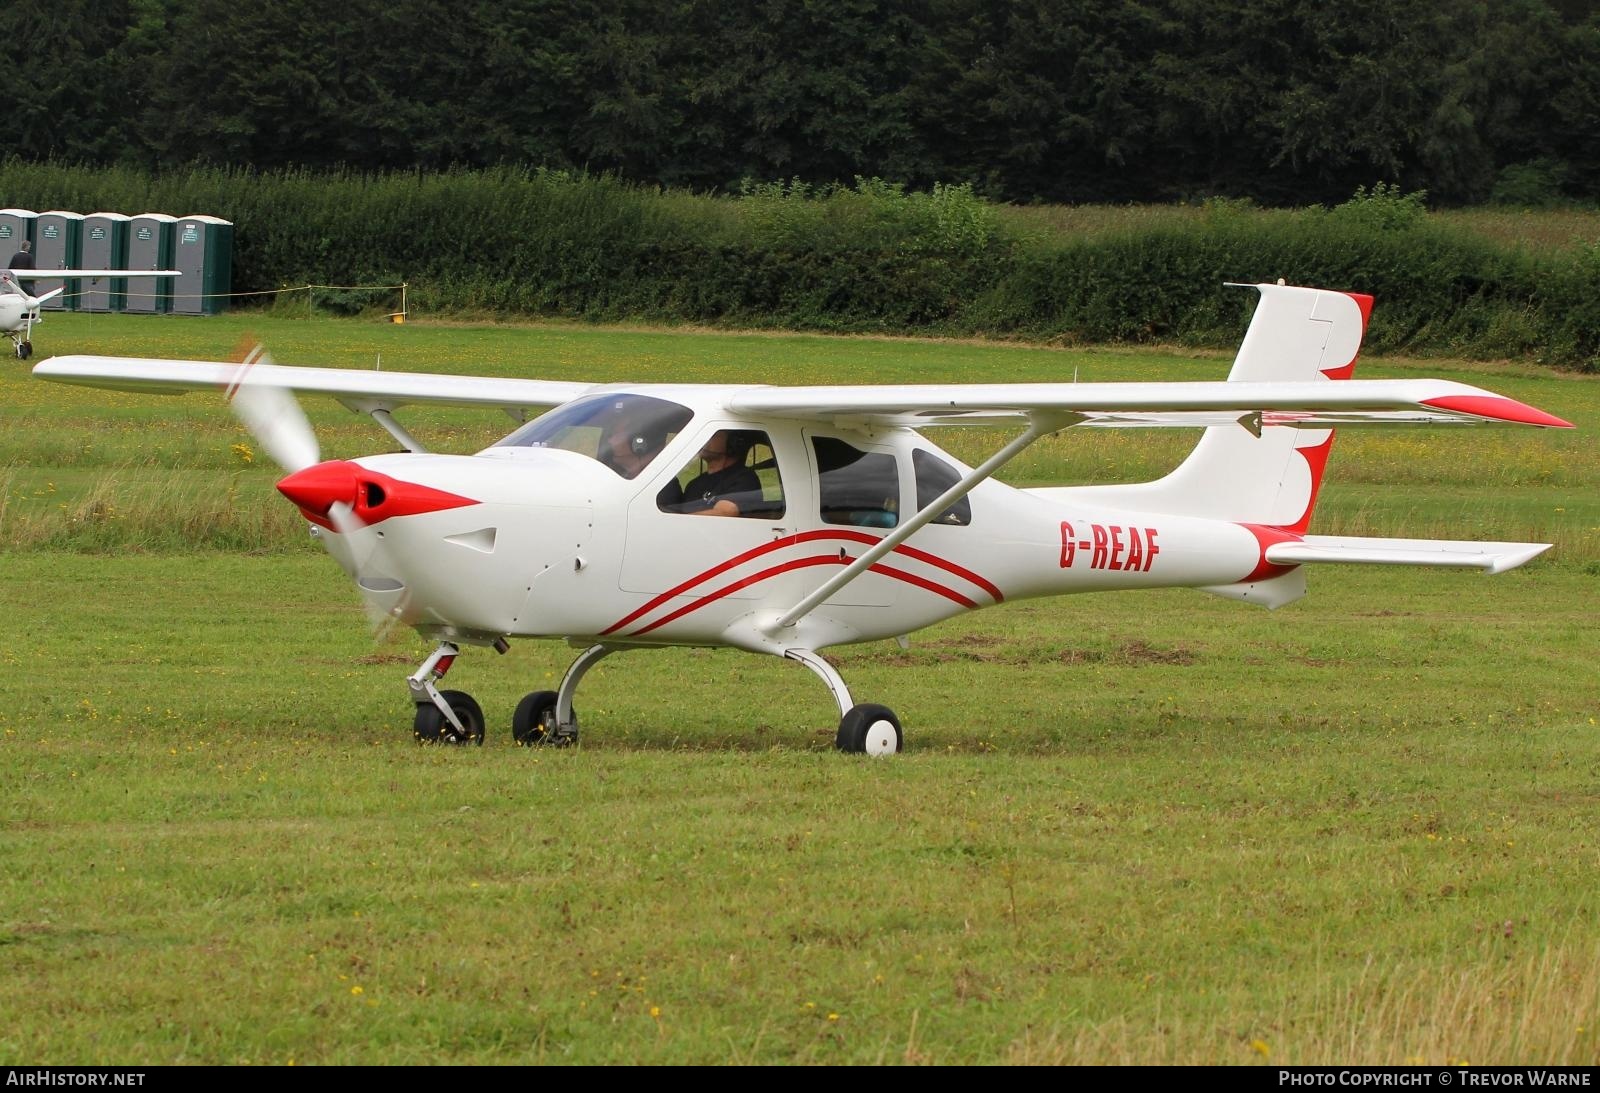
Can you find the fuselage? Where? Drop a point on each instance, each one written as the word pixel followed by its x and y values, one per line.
pixel 548 535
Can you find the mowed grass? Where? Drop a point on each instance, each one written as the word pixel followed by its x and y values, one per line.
pixel 1129 828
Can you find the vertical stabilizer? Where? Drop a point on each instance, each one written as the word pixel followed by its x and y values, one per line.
pixel 1296 334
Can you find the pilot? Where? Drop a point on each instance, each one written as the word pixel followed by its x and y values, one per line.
pixel 725 484
pixel 628 447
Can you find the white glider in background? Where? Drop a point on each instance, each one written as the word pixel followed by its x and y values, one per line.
pixel 19 309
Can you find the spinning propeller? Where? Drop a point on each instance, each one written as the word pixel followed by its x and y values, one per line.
pixel 327 493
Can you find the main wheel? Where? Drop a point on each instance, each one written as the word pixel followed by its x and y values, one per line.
pixel 870 729
pixel 432 727
pixel 535 722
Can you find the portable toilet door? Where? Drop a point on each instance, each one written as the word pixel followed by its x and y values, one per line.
pixel 16 228
pixel 105 246
pixel 57 237
pixel 150 247
pixel 203 258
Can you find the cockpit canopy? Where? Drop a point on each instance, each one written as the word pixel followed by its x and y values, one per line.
pixel 621 431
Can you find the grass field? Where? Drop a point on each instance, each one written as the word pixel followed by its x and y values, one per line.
pixel 1161 828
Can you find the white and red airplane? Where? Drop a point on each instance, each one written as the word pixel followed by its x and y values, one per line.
pixel 851 525
pixel 19 309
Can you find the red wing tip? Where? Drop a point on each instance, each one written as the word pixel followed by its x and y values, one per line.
pixel 1498 409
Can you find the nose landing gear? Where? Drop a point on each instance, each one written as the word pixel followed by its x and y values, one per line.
pixel 443 717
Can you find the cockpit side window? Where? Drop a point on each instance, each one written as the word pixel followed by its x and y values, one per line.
pixel 856 487
pixel 623 432
pixel 735 473
pixel 934 476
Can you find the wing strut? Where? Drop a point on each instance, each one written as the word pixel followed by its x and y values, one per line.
pixel 383 414
pixel 383 417
pixel 1038 425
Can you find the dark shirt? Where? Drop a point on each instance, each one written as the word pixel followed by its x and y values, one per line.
pixel 738 484
pixel 22 260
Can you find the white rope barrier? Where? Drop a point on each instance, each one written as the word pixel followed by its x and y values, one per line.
pixel 309 290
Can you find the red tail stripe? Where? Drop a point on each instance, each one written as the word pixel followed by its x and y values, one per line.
pixel 1265 537
pixel 1316 458
pixel 1347 369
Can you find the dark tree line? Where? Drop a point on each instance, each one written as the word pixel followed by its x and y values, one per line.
pixel 1029 100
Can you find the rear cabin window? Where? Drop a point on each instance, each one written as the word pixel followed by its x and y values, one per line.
pixel 934 476
pixel 856 487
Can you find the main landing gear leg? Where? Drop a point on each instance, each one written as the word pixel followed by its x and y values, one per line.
pixel 865 729
pixel 548 717
pixel 443 717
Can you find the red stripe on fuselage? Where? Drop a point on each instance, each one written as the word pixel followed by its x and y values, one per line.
pixel 796 540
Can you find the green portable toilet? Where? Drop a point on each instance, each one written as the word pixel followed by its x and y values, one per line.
pixel 105 246
pixel 57 237
pixel 203 257
pixel 149 247
pixel 16 225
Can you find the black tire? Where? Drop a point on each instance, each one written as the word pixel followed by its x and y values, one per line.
pixel 529 724
pixel 870 729
pixel 431 726
pixel 534 722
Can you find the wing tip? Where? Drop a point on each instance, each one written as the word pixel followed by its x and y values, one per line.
pixel 1498 408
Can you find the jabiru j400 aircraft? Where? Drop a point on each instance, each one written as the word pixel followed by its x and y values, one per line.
pixel 785 520
pixel 19 309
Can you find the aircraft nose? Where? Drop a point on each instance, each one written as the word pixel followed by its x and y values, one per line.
pixel 317 488
pixel 371 496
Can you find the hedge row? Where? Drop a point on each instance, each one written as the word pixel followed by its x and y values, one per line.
pixel 872 257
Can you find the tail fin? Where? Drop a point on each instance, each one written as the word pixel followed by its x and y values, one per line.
pixel 1296 334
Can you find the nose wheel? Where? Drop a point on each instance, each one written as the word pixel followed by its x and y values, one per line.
pixel 24 350
pixel 443 717
pixel 433 727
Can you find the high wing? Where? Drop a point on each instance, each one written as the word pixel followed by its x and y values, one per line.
pixel 1303 404
pixel 360 389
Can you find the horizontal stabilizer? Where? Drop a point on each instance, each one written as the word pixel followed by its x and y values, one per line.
pixel 1494 557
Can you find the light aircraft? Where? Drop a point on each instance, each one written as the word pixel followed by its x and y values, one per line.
pixel 855 528
pixel 19 309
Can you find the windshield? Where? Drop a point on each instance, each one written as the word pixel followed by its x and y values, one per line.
pixel 623 432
